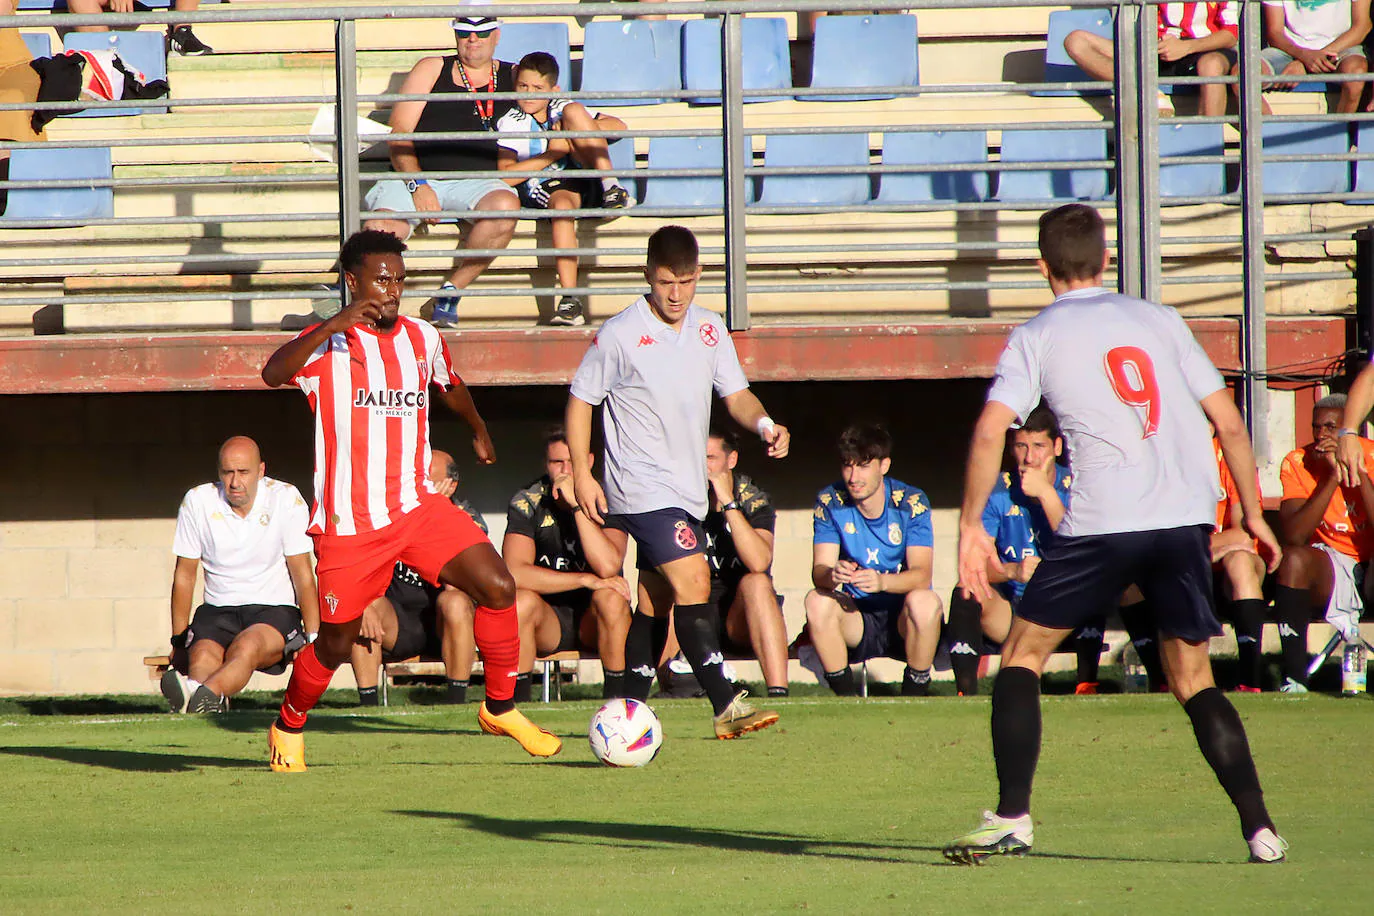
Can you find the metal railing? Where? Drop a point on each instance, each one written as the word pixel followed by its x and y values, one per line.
pixel 1132 120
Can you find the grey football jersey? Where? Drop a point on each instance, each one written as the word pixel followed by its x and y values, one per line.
pixel 1124 377
pixel 656 386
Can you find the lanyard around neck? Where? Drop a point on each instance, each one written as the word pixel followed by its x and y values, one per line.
pixel 484 109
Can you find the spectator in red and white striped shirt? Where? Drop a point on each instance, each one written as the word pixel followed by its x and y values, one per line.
pixel 1195 39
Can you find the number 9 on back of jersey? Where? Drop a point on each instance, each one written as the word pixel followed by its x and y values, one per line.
pixel 625 733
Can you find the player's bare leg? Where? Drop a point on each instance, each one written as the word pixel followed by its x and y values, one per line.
pixel 456 617
pixel 919 627
pixel 835 629
pixel 1221 737
pixel 606 627
pixel 482 574
pixel 366 655
pixel 755 618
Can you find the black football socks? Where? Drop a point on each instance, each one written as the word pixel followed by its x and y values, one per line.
pixel 1015 737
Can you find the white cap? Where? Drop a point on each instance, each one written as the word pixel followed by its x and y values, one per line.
pixel 480 25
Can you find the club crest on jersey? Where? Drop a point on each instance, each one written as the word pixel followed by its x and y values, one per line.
pixel 894 533
pixel 709 335
pixel 684 535
pixel 332 600
pixel 422 366
pixel 849 528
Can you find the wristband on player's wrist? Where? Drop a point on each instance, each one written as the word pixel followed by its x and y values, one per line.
pixel 764 426
pixel 179 640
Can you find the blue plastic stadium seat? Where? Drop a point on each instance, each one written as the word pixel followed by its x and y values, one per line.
pixel 1364 143
pixel 688 153
pixel 622 153
pixel 632 55
pixel 145 51
pixel 38 43
pixel 821 150
pixel 863 51
pixel 1200 180
pixel 1059 67
pixel 933 148
pixel 520 38
pixel 1293 138
pixel 767 63
pixel 1053 146
pixel 52 163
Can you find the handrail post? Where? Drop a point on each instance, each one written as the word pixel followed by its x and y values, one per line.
pixel 1254 346
pixel 1127 98
pixel 736 152
pixel 346 128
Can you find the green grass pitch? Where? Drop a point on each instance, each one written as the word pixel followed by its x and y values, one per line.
pixel 841 808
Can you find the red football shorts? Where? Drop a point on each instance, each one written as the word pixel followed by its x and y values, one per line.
pixel 354 570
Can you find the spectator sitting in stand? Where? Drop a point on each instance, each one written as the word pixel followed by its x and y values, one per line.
pixel 538 72
pixel 415 618
pixel 180 39
pixel 1320 37
pixel 19 82
pixel 473 69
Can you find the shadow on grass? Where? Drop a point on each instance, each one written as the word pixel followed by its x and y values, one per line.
pixel 131 761
pixel 650 836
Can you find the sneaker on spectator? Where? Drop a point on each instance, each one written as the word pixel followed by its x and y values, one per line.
pixel 183 41
pixel 1292 686
pixel 445 314
pixel 617 198
pixel 570 312
pixel 176 689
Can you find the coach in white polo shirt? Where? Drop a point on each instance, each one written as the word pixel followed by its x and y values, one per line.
pixel 248 531
pixel 653 367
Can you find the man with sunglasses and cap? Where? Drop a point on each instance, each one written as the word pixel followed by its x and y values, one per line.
pixel 473 69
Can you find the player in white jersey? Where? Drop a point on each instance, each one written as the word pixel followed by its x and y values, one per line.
pixel 1133 392
pixel 368 372
pixel 653 367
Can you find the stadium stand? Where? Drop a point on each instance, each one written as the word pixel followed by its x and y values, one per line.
pixel 57 164
pixel 1059 67
pixel 802 151
pixel 938 147
pixel 1289 138
pixel 767 62
pixel 520 38
pixel 38 43
pixel 1203 179
pixel 145 51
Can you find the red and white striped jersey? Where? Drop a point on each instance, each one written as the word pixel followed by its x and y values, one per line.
pixel 1198 20
pixel 370 394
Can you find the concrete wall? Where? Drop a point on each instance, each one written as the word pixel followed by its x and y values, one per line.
pixel 90 485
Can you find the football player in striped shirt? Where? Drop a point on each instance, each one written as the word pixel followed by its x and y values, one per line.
pixel 368 373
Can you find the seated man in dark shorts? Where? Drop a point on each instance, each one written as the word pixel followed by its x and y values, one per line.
pixel 415 618
pixel 569 590
pixel 248 531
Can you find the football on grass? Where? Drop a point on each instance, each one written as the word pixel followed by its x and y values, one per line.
pixel 625 733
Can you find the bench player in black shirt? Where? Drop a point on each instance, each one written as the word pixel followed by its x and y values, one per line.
pixel 567 568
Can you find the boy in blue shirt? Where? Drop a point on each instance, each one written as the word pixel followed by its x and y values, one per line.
pixel 872 553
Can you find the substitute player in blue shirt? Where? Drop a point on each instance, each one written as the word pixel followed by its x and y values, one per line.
pixel 872 553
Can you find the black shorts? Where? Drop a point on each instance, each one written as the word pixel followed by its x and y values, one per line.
pixel 570 608
pixel 417 624
pixel 1187 65
pixel 589 189
pixel 221 625
pixel 723 594
pixel 1080 576
pixel 881 638
pixel 663 535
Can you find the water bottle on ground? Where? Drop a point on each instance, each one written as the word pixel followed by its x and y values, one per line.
pixel 1353 676
pixel 1136 678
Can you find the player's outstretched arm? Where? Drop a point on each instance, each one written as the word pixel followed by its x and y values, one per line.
pixel 976 547
pixel 1240 460
pixel 577 424
pixel 459 400
pixel 291 356
pixel 747 410
pixel 1359 401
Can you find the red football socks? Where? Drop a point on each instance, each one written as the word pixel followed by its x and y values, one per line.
pixel 309 680
pixel 498 639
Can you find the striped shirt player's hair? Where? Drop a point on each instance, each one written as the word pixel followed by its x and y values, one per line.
pixel 673 247
pixel 1043 420
pixel 367 242
pixel 1330 402
pixel 1072 242
pixel 865 442
pixel 541 62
